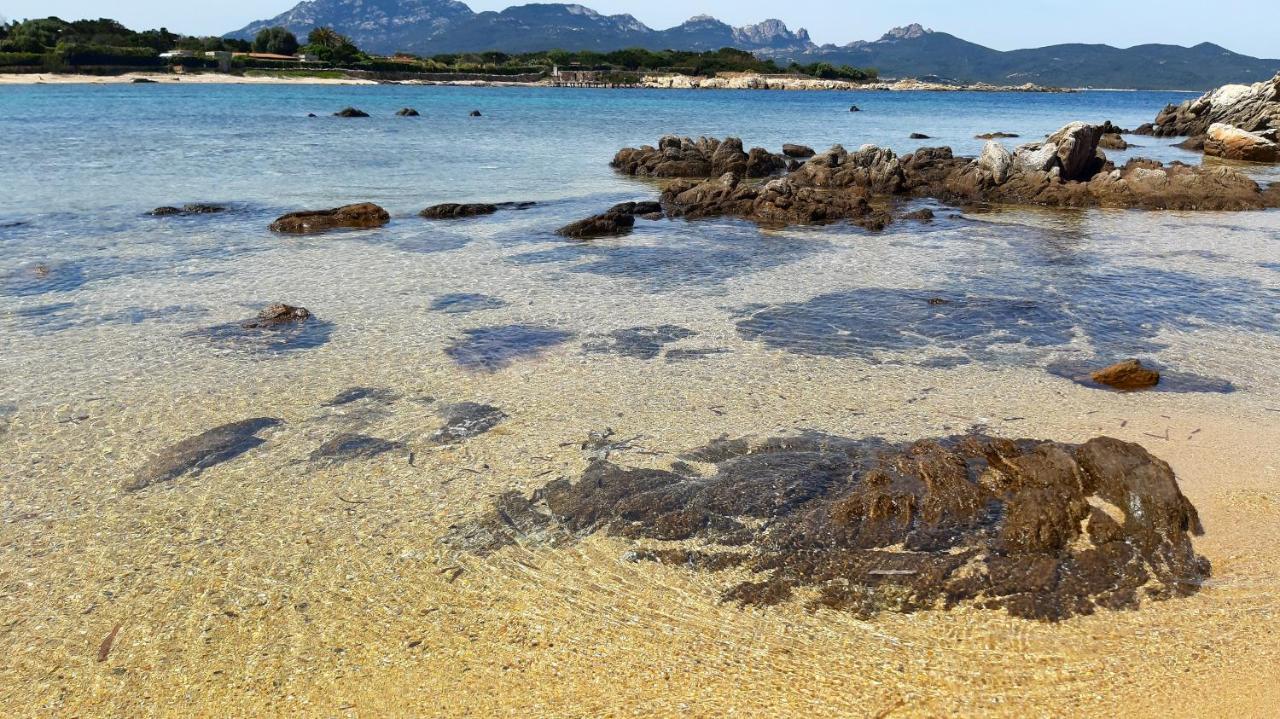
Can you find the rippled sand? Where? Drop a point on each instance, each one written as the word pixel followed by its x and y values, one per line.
pixel 275 585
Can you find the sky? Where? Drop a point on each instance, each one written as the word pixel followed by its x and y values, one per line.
pixel 1246 26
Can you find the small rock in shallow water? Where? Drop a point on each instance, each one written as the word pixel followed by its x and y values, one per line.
pixel 643 343
pixel 608 224
pixel 202 451
pixel 1043 530
pixel 492 348
pixel 350 112
pixel 278 314
pixel 408 112
pixel 347 447
pixel 996 136
pixel 923 215
pixel 191 209
pixel 919 136
pixel 463 302
pixel 1129 375
pixel 475 113
pixel 798 151
pixel 355 394
pixel 453 210
pixel 466 420
pixel 277 328
pixel 364 215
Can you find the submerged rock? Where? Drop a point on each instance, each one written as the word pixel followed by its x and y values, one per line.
pixel 278 314
pixel 407 112
pixel 921 215
pixel 350 112
pixel 356 394
pixel 365 215
pixel 490 349
pixel 1129 375
pixel 919 136
pixel 191 209
pixel 348 447
pixel 643 343
pixel 466 420
pixel 463 302
pixel 1041 529
pixel 452 210
pixel 202 451
pixel 475 113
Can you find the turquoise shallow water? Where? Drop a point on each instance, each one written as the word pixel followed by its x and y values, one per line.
pixel 85 272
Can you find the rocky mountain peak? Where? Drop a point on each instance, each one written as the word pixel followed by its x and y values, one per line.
pixel 907 32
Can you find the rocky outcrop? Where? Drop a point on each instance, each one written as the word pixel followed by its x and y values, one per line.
pixel 1232 143
pixel 703 157
pixel 365 215
pixel 407 112
pixel 453 211
pixel 780 202
pixel 350 112
pixel 1040 529
pixel 798 151
pixel 1066 170
pixel 1252 108
pixel 1127 376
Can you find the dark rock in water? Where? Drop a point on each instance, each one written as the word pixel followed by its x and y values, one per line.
pixel 855 108
pixel 475 113
pixel 608 224
pixel 779 202
pixel 466 420
pixel 278 314
pixel 311 114
pixel 648 209
pixel 996 136
pixel 1082 372
pixel 704 157
pixel 451 211
pixel 1145 128
pixel 1128 376
pixel 365 215
pixel 1194 144
pixel 347 447
pixel 355 394
pixel 143 81
pixel 407 112
pixel 1112 141
pixel 191 209
pixel 278 328
pixel 1043 530
pixel 798 151
pixel 919 136
pixel 686 355
pixel 493 348
pixel 644 343
pixel 520 205
pixel 462 302
pixel 921 215
pixel 202 451
pixel 350 112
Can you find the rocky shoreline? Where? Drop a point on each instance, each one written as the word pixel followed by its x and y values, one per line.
pixel 753 81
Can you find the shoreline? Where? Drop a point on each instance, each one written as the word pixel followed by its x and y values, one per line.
pixel 728 81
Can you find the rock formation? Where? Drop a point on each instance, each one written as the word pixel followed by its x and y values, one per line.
pixel 1041 529
pixel 1252 108
pixel 1232 143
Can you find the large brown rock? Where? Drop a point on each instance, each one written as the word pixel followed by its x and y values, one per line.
pixel 1252 108
pixel 607 224
pixel 453 210
pixel 1040 529
pixel 361 216
pixel 1232 143
pixel 776 203
pixel 700 158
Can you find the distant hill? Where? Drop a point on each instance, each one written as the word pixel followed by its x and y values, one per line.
pixel 429 27
pixel 914 51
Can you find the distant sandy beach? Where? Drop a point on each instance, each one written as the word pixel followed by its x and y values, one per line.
pixel 50 78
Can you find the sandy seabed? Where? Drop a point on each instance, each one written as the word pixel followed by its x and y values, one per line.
pixel 269 586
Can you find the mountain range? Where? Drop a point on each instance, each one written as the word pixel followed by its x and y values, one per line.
pixel 429 27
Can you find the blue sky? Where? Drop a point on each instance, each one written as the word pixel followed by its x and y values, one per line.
pixel 1244 26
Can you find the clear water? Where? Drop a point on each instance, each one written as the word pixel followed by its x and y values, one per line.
pixel 119 339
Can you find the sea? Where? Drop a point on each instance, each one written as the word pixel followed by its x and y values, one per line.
pixel 279 578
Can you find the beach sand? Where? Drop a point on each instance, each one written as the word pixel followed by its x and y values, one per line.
pixel 209 78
